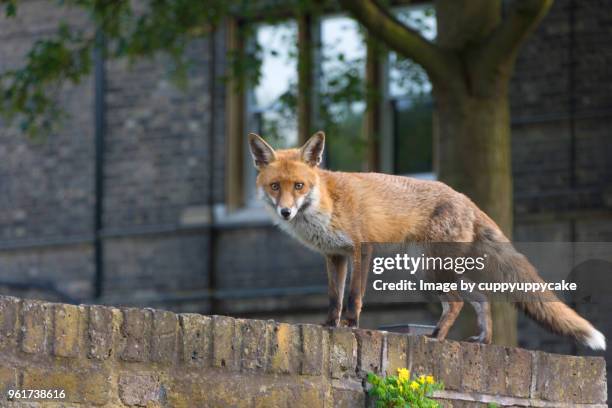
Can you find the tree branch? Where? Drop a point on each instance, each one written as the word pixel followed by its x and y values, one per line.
pixel 507 39
pixel 402 39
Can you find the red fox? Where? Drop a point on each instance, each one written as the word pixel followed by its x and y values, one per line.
pixel 334 212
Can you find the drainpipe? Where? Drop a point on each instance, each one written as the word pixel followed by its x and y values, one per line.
pixel 99 122
pixel 212 231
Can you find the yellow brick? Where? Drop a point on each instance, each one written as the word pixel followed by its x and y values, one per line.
pixel 67 330
pixel 35 323
pixel 8 379
pixel 89 387
pixel 285 353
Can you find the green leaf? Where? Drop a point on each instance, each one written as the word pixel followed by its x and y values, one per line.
pixel 10 9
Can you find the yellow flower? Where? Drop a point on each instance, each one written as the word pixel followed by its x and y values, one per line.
pixel 403 374
pixel 429 379
pixel 422 379
pixel 414 385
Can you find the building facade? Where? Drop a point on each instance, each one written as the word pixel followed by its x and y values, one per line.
pixel 139 199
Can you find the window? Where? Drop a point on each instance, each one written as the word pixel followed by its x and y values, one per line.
pixel 274 114
pixel 321 73
pixel 411 103
pixel 342 92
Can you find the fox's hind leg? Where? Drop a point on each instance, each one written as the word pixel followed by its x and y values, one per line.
pixel 482 307
pixel 485 323
pixel 451 307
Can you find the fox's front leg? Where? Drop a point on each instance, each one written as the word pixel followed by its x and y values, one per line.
pixel 336 276
pixel 357 289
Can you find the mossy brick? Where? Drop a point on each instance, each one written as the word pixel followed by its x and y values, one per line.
pixel 308 395
pixel 473 367
pixel 101 332
pixel 91 387
pixel 212 388
pixel 197 339
pixel 494 363
pixel 140 390
pixel 8 380
pixel 275 397
pixel 225 343
pixel 313 349
pixel 447 363
pixel 35 318
pixel 254 351
pixel 325 369
pixel 21 403
pixel 285 349
pixel 370 345
pixel 445 403
pixel 347 394
pixel 518 372
pixel 508 371
pixel 422 356
pixel 9 312
pixel 396 353
pixel 300 395
pixel 442 359
pixel 136 332
pixel 164 337
pixel 342 353
pixel 67 335
pixel 96 387
pixel 570 379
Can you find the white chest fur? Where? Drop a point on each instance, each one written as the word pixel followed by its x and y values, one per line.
pixel 313 228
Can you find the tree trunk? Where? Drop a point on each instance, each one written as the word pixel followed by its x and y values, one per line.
pixel 473 156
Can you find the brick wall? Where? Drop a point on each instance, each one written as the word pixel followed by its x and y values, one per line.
pixel 46 186
pixel 143 357
pixel 561 108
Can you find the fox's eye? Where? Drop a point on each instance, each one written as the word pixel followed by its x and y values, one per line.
pixel 299 186
pixel 275 186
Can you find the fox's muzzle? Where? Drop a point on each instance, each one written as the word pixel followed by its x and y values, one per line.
pixel 285 213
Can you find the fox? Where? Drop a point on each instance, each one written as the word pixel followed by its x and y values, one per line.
pixel 334 212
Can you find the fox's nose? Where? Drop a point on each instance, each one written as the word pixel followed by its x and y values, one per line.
pixel 285 212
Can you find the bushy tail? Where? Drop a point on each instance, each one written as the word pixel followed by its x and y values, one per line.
pixel 545 308
pixel 560 318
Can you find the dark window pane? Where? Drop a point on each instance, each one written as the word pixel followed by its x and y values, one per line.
pixel 413 150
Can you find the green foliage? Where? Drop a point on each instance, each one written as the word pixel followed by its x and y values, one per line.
pixel 136 30
pixel 10 7
pixel 403 392
pixel 130 29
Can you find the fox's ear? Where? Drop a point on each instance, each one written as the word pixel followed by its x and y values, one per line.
pixel 263 154
pixel 312 151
